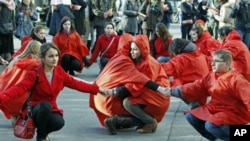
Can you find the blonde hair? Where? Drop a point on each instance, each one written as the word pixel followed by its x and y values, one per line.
pixel 32 50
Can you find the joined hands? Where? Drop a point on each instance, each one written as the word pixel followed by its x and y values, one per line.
pixel 165 91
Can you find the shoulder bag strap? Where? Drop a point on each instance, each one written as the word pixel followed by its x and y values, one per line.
pixel 107 48
pixel 28 103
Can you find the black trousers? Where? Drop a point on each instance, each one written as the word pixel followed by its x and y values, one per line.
pixel 70 63
pixel 185 29
pixel 103 62
pixel 45 120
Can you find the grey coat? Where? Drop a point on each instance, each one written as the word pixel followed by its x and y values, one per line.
pixel 98 8
pixel 154 14
pixel 130 20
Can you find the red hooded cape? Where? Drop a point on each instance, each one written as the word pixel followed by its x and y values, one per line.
pixel 121 70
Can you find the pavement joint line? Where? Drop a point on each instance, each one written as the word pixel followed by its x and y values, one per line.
pixel 172 122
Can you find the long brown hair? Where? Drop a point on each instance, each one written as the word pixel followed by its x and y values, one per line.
pixel 164 35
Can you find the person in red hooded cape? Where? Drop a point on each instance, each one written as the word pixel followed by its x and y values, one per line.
pixel 186 65
pixel 14 73
pixel 137 78
pixel 229 104
pixel 204 41
pixel 231 40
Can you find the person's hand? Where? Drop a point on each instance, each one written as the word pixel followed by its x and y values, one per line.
pixel 3 62
pixel 109 12
pixel 28 12
pixel 86 62
pixel 105 92
pixel 165 91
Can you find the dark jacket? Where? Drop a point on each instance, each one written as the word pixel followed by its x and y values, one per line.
pixel 242 16
pixel 188 11
pixel 7 22
pixel 167 14
pixel 79 16
pixel 154 14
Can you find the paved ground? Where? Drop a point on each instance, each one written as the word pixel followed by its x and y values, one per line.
pixel 82 124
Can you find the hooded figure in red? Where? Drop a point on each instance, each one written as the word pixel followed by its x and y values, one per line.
pixel 122 71
pixel 204 42
pixel 232 41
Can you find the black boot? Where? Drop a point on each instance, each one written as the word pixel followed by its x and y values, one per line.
pixel 124 122
pixel 112 123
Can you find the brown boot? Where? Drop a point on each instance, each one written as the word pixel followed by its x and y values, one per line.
pixel 115 122
pixel 148 128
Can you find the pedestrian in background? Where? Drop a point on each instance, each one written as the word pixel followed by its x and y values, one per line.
pixel 26 14
pixel 131 14
pixel 240 12
pixel 167 13
pixel 154 14
pixel 7 28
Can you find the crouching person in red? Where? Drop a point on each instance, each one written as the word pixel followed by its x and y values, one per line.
pixel 47 116
pixel 229 104
pixel 137 80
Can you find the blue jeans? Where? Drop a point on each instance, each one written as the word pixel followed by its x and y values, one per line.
pixel 245 37
pixel 163 59
pixel 209 130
